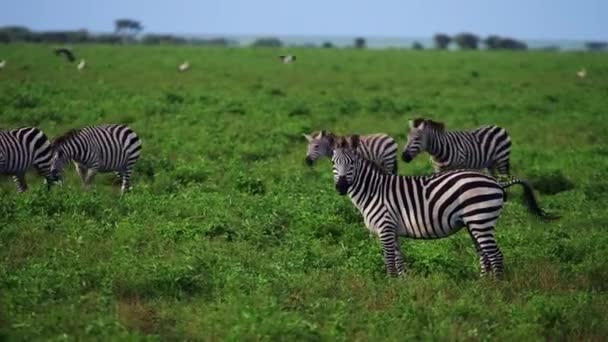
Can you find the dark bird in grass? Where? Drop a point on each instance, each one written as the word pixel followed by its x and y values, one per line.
pixel 68 53
pixel 287 59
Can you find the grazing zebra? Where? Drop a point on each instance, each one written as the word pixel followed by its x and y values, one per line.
pixel 428 207
pixel 378 148
pixel 485 147
pixel 22 148
pixel 96 149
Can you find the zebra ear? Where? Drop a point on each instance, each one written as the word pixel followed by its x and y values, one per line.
pixel 354 141
pixel 307 136
pixel 411 123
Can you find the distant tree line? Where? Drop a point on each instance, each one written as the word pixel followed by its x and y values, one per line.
pixel 18 34
pixel 470 41
pixel 128 31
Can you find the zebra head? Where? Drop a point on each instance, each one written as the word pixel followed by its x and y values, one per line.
pixel 344 160
pixel 319 144
pixel 417 139
pixel 58 160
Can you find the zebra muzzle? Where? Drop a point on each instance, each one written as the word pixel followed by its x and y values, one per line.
pixel 342 185
pixel 309 161
pixel 406 157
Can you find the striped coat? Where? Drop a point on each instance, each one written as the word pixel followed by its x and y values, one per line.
pixel 487 147
pixel 425 207
pixel 94 149
pixel 22 149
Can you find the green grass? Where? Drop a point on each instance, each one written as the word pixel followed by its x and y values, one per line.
pixel 229 236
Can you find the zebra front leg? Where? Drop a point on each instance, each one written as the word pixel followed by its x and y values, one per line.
pixel 399 262
pixel 82 172
pixel 20 183
pixel 387 238
pixel 91 172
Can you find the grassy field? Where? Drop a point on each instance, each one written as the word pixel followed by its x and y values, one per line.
pixel 227 235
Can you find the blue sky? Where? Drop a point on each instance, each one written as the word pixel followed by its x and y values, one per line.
pixel 524 19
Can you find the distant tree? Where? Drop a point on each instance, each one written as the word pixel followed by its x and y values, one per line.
pixel 550 48
pixel 128 29
pixel 494 42
pixel 156 39
pixel 267 42
pixel 467 41
pixel 327 45
pixel 442 40
pixel 596 46
pixel 360 43
pixel 417 46
pixel 107 38
pixel 16 33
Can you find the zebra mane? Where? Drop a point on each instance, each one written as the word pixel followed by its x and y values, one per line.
pixel 66 137
pixel 428 122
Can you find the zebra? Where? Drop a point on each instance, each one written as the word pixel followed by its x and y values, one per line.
pixel 22 148
pixel 485 147
pixel 96 149
pixel 379 148
pixel 425 207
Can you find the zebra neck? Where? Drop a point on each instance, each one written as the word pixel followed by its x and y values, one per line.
pixel 367 182
pixel 437 145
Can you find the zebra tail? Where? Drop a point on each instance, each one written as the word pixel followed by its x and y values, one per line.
pixel 529 198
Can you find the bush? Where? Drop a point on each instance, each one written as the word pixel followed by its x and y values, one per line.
pixel 267 42
pixel 467 41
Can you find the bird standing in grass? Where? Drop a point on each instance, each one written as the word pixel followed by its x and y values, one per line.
pixel 82 64
pixel 2 64
pixel 582 73
pixel 184 66
pixel 288 59
pixel 67 53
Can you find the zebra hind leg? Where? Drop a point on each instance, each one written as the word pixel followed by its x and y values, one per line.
pixel 125 177
pixel 20 182
pixel 491 257
pixel 484 261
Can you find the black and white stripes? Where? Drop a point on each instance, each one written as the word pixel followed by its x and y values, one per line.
pixel 378 148
pixel 487 147
pixel 424 207
pixel 96 149
pixel 21 149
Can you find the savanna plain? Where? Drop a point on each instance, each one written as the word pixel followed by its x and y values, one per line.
pixel 228 235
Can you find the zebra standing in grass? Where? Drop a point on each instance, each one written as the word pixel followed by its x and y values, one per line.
pixel 378 148
pixel 22 148
pixel 96 149
pixel 485 147
pixel 429 207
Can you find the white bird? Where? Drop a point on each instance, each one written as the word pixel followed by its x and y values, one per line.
pixel 287 59
pixel 582 73
pixel 82 64
pixel 2 64
pixel 184 66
